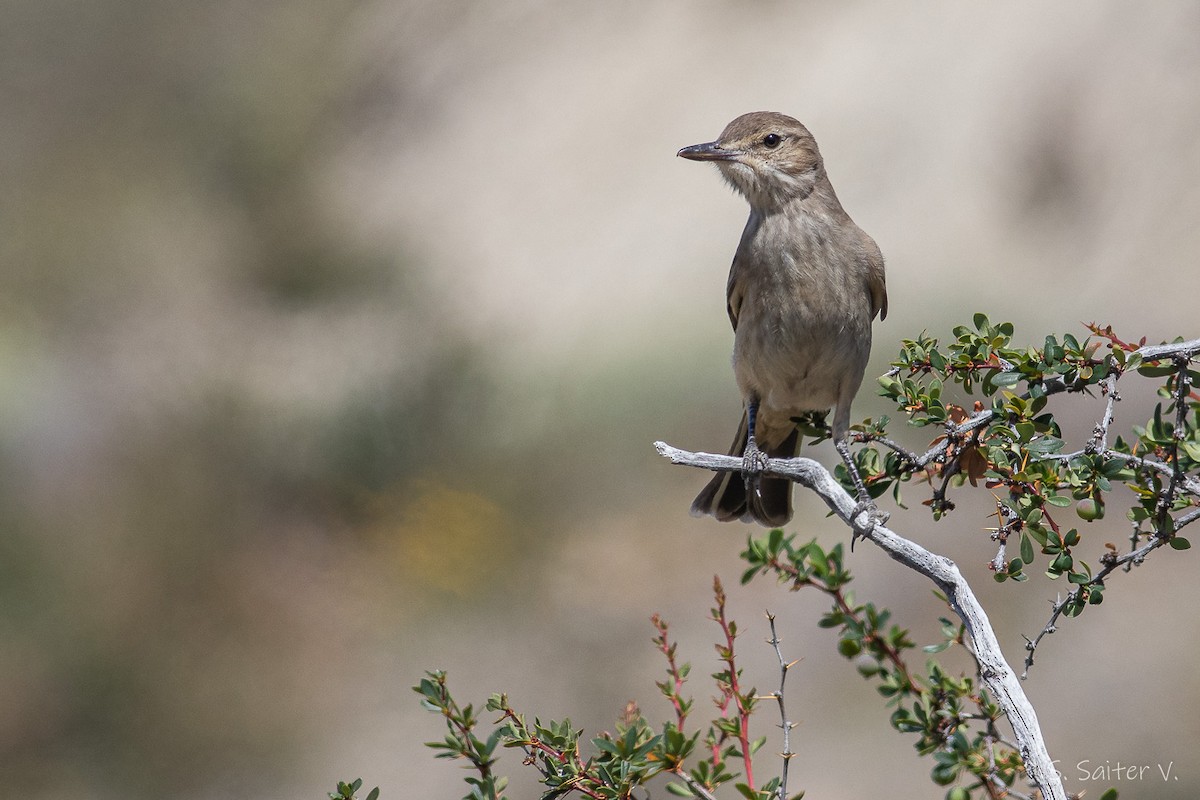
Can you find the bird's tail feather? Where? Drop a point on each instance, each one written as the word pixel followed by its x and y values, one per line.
pixel 725 495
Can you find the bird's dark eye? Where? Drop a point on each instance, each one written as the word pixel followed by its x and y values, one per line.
pixel 772 139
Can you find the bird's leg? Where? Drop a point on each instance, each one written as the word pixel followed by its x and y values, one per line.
pixel 875 516
pixel 754 461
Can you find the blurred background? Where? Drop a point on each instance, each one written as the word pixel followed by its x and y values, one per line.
pixel 335 338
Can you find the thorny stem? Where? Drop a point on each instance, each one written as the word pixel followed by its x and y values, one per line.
pixel 1135 536
pixel 1133 558
pixel 1009 520
pixel 1182 390
pixel 784 723
pixel 940 503
pixel 1189 485
pixel 1108 387
pixel 1169 468
pixel 939 451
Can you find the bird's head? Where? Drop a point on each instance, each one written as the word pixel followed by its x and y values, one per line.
pixel 769 157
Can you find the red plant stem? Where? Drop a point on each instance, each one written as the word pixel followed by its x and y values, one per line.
pixel 728 658
pixel 664 645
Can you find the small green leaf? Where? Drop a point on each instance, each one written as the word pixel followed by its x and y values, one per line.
pixel 745 791
pixel 774 540
pixel 1003 380
pixel 1179 543
pixel 1038 533
pixel 1155 371
pixel 607 745
pixel 1026 549
pixel 1045 446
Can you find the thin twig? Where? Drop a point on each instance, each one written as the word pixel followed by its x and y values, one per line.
pixel 1182 391
pixel 1009 520
pixel 1188 485
pixel 784 723
pixel 1133 558
pixel 1135 536
pixel 1187 519
pixel 843 605
pixel 991 781
pixel 1108 387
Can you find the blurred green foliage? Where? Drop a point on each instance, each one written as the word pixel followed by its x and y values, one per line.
pixel 218 402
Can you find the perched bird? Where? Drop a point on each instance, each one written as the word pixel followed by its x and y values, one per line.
pixel 805 284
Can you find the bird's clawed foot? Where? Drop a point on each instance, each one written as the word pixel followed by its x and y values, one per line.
pixel 874 516
pixel 754 463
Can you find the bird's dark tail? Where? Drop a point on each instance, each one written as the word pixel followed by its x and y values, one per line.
pixel 725 495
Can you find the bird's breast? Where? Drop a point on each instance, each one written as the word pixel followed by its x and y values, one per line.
pixel 804 319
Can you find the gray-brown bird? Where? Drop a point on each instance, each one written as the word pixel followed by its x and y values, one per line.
pixel 805 284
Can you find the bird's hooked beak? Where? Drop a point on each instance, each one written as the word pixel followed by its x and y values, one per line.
pixel 709 151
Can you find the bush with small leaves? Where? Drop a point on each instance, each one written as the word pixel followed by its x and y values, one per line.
pixel 989 401
pixel 698 761
pixel 1013 445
